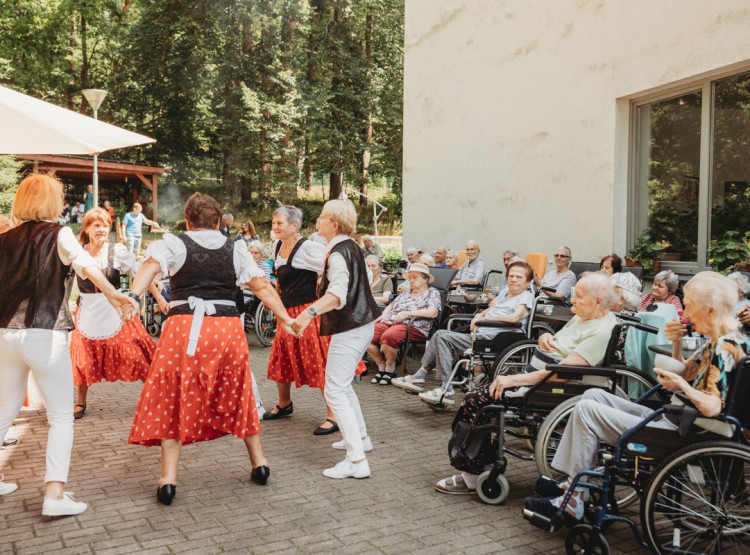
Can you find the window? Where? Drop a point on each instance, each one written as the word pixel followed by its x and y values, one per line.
pixel 691 168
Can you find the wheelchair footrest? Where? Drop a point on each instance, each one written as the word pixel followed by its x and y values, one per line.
pixel 541 521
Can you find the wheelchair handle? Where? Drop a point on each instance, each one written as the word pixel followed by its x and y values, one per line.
pixel 491 324
pixel 630 321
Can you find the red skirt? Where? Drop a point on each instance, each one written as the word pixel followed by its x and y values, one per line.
pixel 200 397
pixel 299 360
pixel 126 357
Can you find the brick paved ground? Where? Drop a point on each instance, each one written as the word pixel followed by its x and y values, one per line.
pixel 218 509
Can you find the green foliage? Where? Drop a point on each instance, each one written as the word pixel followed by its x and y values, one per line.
pixel 391 256
pixel 728 253
pixel 645 251
pixel 9 181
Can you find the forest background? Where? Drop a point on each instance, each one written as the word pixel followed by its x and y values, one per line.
pixel 257 102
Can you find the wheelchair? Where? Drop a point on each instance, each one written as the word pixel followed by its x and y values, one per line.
pixel 153 321
pixel 694 482
pixel 523 414
pixel 258 319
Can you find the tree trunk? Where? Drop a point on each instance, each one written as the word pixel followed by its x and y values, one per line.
pixel 336 184
pixel 246 192
pixel 306 165
pixel 365 165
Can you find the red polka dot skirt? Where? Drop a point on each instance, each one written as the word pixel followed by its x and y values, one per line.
pixel 197 398
pixel 126 357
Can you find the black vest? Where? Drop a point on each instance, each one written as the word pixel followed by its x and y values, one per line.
pixel 207 274
pixel 35 283
pixel 296 287
pixel 360 308
pixel 112 275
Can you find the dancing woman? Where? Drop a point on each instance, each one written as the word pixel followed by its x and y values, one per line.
pixel 302 360
pixel 199 386
pixel 35 261
pixel 348 312
pixel 101 346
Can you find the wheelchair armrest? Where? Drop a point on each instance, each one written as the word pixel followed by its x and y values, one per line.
pixel 492 324
pixel 566 372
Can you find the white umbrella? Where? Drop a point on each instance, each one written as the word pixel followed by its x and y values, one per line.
pixel 32 126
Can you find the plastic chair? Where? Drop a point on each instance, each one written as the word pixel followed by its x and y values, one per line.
pixel 538 261
pixel 461 258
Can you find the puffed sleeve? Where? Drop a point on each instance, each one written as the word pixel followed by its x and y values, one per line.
pixel 245 267
pixel 338 278
pixel 71 252
pixel 124 261
pixel 310 256
pixel 166 252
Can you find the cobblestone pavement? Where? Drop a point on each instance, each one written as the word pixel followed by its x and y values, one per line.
pixel 218 509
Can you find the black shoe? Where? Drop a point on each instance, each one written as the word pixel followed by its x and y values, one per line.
pixel 547 487
pixel 544 506
pixel 321 431
pixel 281 412
pixel 260 475
pixel 166 493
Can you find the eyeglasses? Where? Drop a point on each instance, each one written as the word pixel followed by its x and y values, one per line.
pixel 561 256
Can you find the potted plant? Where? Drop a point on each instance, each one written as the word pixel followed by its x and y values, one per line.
pixel 645 253
pixel 728 253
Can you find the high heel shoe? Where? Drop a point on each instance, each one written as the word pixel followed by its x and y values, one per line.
pixel 260 474
pixel 280 412
pixel 166 493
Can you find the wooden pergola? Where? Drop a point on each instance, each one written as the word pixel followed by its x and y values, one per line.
pixel 80 169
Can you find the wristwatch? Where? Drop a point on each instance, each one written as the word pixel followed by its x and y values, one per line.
pixel 135 297
pixel 311 311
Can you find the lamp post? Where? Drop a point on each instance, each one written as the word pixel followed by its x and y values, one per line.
pixel 375 205
pixel 95 97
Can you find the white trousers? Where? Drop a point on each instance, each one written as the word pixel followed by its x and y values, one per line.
pixel 344 353
pixel 45 353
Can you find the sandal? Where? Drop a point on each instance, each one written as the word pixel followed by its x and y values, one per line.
pixel 386 378
pixel 79 414
pixel 281 412
pixel 377 377
pixel 321 431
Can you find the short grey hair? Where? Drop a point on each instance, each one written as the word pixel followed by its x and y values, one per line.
pixel 227 215
pixel 366 237
pixel 711 289
pixel 427 259
pixel 512 252
pixel 474 243
pixel 743 284
pixel 374 257
pixel 567 251
pixel 670 278
pixel 630 287
pixel 516 258
pixel 599 287
pixel 258 245
pixel 412 249
pixel 291 213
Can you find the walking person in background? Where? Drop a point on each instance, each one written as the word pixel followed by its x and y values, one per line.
pixel 101 346
pixel 247 233
pixel 226 224
pixel 348 313
pixel 131 228
pixel 88 198
pixel 200 386
pixel 35 261
pixel 301 360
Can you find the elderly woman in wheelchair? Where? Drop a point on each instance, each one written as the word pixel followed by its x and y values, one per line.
pixel 512 306
pixel 582 342
pixel 602 417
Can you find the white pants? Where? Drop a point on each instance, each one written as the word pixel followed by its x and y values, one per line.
pixel 344 353
pixel 46 354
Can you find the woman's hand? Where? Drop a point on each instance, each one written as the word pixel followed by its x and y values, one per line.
pixel 126 307
pixel 163 305
pixel 497 387
pixel 674 330
pixel 298 325
pixel 402 317
pixel 547 343
pixel 671 381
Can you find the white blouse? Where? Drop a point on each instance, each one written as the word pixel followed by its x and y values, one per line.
pixel 123 261
pixel 310 256
pixel 338 272
pixel 71 252
pixel 170 253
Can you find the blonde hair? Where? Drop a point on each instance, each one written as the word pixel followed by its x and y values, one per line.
pixel 39 197
pixel 92 216
pixel 343 213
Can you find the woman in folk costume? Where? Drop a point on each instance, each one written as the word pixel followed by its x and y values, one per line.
pixel 299 360
pixel 102 347
pixel 199 386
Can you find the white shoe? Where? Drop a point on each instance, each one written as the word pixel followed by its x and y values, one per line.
pixel 66 506
pixel 346 469
pixel 366 441
pixel 433 396
pixel 5 489
pixel 408 383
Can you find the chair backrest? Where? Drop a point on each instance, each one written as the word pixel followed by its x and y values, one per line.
pixel 443 278
pixel 493 278
pixel 461 258
pixel 637 271
pixel 579 267
pixel 739 392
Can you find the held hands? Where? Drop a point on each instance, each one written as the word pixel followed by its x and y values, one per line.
pixel 547 343
pixel 126 307
pixel 297 326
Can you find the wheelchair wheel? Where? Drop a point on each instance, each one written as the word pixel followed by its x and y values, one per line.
pixel 634 383
pixel 492 492
pixel 698 500
pixel 540 328
pixel 265 325
pixel 514 359
pixel 582 538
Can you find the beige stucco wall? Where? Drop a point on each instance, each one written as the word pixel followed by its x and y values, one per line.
pixel 516 112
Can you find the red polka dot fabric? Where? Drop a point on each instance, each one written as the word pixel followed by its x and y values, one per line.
pixel 198 398
pixel 126 357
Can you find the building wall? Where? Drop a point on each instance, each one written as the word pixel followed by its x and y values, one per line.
pixel 516 113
